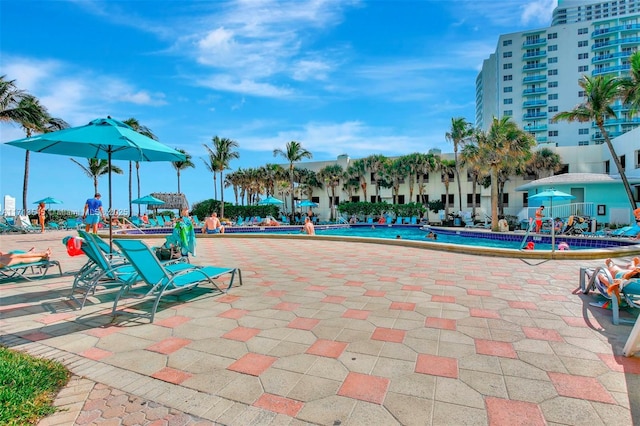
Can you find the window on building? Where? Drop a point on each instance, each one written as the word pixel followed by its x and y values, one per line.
pixel 508 113
pixel 373 199
pixel 471 202
pixel 552 72
pixel 355 198
pixel 551 36
pixel 583 43
pixel 583 143
pixel 444 199
pixel 507 54
pixel 315 200
pixel 507 77
pixel 452 176
pixel 623 162
pixel 508 101
pixel 507 66
pixel 582 31
pixel 373 177
pixel 507 42
pixel 582 94
pixel 508 89
pixel 552 84
pixel 583 56
pixel 525 199
pixel 583 68
pixel 505 199
pixel 583 131
pixel 553 108
pixel 424 198
pixel 553 96
pixel 553 133
pixel 552 60
pixel 607 167
pixel 637 155
pixel 469 176
pixel 552 47
pixel 400 199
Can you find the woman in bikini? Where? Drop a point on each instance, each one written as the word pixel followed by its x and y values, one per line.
pixel 10 259
pixel 42 213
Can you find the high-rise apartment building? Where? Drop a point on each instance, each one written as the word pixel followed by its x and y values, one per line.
pixel 534 74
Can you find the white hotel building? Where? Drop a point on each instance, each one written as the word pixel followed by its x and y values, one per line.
pixel 530 77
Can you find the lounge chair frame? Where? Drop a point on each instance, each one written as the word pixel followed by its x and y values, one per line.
pixel 29 271
pixel 629 290
pixel 162 281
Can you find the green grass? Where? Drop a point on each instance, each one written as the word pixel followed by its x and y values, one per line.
pixel 28 387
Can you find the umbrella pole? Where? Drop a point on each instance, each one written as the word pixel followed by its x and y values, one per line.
pixel 109 212
pixel 553 229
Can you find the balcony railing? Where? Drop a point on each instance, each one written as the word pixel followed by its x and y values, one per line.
pixel 534 78
pixel 625 27
pixel 534 42
pixel 534 129
pixel 534 91
pixel 609 70
pixel 534 67
pixel 537 54
pixel 537 102
pixel 610 56
pixel 534 115
pixel 615 42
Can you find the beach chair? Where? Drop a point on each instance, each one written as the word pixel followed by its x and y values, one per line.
pixel 414 220
pixel 160 221
pixel 23 222
pixel 72 223
pixel 284 220
pixel 619 292
pixel 28 271
pixel 160 280
pixel 53 226
pixel 110 269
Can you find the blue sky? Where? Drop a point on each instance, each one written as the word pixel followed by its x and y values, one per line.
pixel 339 76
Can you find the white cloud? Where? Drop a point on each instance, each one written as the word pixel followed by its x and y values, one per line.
pixel 244 86
pixel 538 12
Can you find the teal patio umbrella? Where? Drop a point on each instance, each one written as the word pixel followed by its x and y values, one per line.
pixel 148 200
pixel 550 195
pixel 270 201
pixel 48 201
pixel 102 138
pixel 307 203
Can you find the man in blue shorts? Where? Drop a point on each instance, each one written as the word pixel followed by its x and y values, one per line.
pixel 93 213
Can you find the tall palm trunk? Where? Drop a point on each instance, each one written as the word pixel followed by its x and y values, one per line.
pixel 293 205
pixel 616 160
pixel 95 184
pixel 455 157
pixel 25 183
pixel 494 198
pixel 178 181
pixel 221 196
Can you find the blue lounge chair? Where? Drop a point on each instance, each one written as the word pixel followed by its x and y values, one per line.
pixel 160 221
pixel 28 271
pixel 110 269
pixel 600 279
pixel 161 280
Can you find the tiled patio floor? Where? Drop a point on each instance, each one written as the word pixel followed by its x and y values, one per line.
pixel 337 333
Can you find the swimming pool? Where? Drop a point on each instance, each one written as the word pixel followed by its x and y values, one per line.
pixel 449 239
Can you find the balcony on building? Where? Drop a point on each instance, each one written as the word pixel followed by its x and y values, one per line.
pixel 609 56
pixel 535 129
pixel 536 54
pixel 534 67
pixel 610 70
pixel 540 41
pixel 534 115
pixel 536 91
pixel 541 139
pixel 534 78
pixel 534 103
pixel 616 42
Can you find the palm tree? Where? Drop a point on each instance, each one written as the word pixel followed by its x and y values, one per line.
pixel 427 163
pixel 34 117
pixel 544 163
pixel 631 85
pixel 446 168
pixel 469 157
pixel 394 171
pixel 182 164
pixel 502 144
pixel 292 153
pixel 375 163
pixel 460 131
pixel 358 170
pixel 331 175
pixel 96 168
pixel 219 158
pixel 601 91
pixel 144 130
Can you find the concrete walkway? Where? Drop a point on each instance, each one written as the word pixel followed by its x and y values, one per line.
pixel 334 333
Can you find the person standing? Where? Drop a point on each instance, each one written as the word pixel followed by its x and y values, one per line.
pixel 539 216
pixel 42 213
pixel 93 213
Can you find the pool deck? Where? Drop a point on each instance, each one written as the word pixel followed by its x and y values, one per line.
pixel 335 333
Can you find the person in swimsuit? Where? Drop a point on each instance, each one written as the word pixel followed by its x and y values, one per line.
pixel 10 259
pixel 42 213
pixel 539 216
